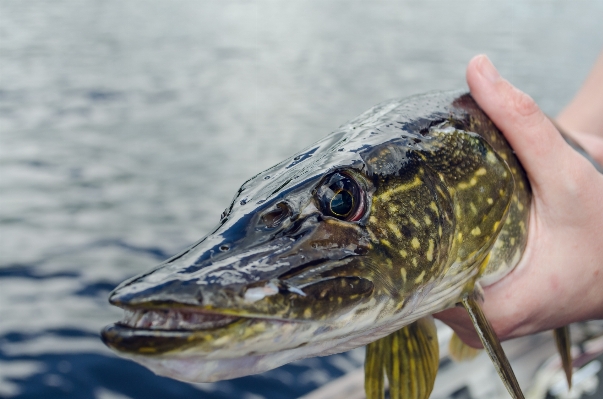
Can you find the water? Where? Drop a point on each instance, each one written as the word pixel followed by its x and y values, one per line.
pixel 126 127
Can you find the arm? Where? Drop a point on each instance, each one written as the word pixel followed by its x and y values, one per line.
pixel 583 117
pixel 559 278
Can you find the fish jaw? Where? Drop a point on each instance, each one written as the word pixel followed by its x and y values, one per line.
pixel 194 367
pixel 292 286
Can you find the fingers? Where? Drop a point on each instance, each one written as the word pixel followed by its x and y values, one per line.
pixel 536 141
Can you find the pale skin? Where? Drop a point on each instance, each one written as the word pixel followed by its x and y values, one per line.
pixel 559 279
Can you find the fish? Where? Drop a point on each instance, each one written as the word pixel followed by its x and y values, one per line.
pixel 406 210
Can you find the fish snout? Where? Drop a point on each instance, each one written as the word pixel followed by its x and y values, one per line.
pixel 140 293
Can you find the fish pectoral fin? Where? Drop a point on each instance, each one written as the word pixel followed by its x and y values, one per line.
pixel 374 371
pixel 460 351
pixel 492 346
pixel 564 346
pixel 410 359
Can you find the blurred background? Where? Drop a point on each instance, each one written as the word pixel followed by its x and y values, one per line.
pixel 127 127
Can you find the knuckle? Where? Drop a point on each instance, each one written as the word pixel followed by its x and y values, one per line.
pixel 526 106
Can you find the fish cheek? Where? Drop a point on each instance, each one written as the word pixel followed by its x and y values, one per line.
pixel 411 223
pixel 328 298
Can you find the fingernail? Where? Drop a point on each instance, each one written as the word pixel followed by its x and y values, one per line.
pixel 487 69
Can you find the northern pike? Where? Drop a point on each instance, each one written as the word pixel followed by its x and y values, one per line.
pixel 401 213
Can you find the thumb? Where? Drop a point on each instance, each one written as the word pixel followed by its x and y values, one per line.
pixel 536 141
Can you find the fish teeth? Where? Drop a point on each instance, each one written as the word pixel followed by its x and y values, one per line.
pixel 174 319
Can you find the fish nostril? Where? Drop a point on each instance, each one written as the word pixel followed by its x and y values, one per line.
pixel 274 217
pixel 224 247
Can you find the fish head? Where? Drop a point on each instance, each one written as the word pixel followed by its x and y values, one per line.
pixel 316 255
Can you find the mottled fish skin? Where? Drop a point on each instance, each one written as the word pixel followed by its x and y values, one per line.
pixel 446 205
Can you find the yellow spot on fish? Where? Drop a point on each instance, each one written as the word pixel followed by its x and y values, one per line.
pixel 490 201
pixel 480 172
pixel 459 237
pixel 420 277
pixel 476 231
pixel 307 312
pixel 389 263
pixel 430 251
pixel 427 220
pixel 386 243
pixel 512 240
pixel 386 196
pixel 414 221
pixel 440 190
pixel 473 181
pixel 440 231
pixel 414 262
pixel 462 186
pixel 224 340
pixel 520 206
pixel 373 220
pixel 490 157
pixel 473 208
pixel 403 253
pixel 393 209
pixel 433 207
pixel 495 227
pixel 415 243
pixel 395 230
pixel 403 274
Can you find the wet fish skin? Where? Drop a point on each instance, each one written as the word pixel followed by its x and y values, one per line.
pixel 442 191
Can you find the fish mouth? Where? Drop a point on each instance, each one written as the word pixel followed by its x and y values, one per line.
pixel 157 331
pixel 174 319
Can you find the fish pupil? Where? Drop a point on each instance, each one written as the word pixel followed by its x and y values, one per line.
pixel 342 203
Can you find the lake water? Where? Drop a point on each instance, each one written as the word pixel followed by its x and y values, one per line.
pixel 126 128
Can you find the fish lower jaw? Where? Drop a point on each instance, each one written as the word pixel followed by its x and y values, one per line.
pixel 198 368
pixel 174 319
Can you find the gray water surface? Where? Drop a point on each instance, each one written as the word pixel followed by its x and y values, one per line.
pixel 127 127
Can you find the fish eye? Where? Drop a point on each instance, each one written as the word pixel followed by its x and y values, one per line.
pixel 341 197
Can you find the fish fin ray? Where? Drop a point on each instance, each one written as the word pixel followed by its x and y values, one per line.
pixel 374 373
pixel 492 346
pixel 564 346
pixel 412 360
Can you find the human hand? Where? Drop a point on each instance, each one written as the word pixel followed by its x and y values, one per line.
pixel 559 279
